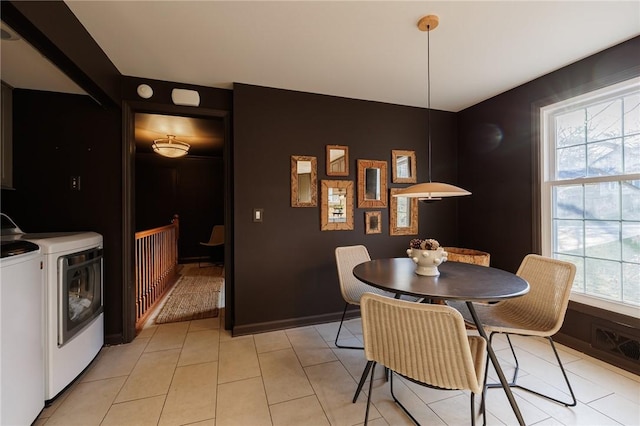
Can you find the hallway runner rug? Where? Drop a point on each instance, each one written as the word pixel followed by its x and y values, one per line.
pixel 195 296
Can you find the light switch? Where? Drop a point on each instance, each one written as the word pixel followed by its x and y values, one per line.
pixel 74 183
pixel 258 214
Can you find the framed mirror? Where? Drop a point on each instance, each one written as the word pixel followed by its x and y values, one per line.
pixel 403 166
pixel 337 160
pixel 372 183
pixel 336 207
pixel 304 181
pixel 373 222
pixel 403 217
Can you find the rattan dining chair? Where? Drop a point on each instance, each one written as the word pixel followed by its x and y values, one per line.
pixel 352 288
pixel 425 343
pixel 538 313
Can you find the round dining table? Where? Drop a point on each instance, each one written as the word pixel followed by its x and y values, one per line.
pixel 457 281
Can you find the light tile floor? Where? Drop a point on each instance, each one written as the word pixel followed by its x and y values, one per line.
pixel 195 373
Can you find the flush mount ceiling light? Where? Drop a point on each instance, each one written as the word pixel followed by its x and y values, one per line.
pixel 430 191
pixel 170 147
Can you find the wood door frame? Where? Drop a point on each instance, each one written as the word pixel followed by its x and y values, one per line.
pixel 129 109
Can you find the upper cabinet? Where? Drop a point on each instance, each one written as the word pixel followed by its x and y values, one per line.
pixel 6 148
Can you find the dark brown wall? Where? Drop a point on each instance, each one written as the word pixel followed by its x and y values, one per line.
pixel 191 187
pixel 56 136
pixel 497 154
pixel 285 266
pixel 498 140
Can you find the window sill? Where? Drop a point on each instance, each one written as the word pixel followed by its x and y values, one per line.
pixel 619 308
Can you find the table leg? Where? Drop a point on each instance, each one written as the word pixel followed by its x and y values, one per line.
pixel 496 365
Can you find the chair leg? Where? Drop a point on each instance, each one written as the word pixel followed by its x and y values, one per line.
pixel 393 395
pixel 344 312
pixel 564 374
pixel 362 380
pixel 366 414
pixel 473 410
pixel 515 358
pixel 482 410
pixel 483 401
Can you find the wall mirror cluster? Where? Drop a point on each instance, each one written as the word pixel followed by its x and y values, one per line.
pixel 372 183
pixel 337 196
pixel 304 181
pixel 337 160
pixel 336 205
pixel 403 166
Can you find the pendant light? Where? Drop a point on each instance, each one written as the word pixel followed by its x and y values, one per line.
pixel 430 191
pixel 170 147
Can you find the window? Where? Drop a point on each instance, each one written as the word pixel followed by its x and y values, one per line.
pixel 591 193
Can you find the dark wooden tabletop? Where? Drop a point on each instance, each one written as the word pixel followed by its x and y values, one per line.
pixel 457 281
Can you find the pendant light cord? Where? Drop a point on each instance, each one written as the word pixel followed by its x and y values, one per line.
pixel 429 96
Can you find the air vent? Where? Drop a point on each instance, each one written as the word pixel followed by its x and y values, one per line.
pixel 616 343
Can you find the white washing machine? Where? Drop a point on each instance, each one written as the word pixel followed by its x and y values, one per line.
pixel 21 333
pixel 73 309
pixel 74 318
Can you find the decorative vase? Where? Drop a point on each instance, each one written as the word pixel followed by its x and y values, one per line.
pixel 427 261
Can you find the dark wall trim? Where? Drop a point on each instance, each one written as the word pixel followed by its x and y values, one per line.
pixel 262 327
pixel 54 30
pixel 128 222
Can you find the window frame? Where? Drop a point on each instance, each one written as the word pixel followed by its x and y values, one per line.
pixel 546 181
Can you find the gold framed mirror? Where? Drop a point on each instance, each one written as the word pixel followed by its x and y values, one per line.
pixel 337 160
pixel 336 206
pixel 403 166
pixel 304 181
pixel 403 215
pixel 372 183
pixel 373 222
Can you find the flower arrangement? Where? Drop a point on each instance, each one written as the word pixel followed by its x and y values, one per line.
pixel 427 255
pixel 426 244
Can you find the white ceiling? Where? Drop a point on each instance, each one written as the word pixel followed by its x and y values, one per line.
pixel 369 50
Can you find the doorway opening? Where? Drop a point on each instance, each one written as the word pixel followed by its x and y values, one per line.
pixel 196 187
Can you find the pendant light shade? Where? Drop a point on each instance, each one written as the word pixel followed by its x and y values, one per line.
pixel 430 191
pixel 170 147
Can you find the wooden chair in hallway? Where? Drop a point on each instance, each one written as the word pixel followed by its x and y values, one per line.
pixel 216 240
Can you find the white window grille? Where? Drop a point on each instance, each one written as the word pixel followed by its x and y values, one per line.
pixel 590 188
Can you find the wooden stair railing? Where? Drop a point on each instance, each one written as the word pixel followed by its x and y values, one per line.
pixel 156 266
